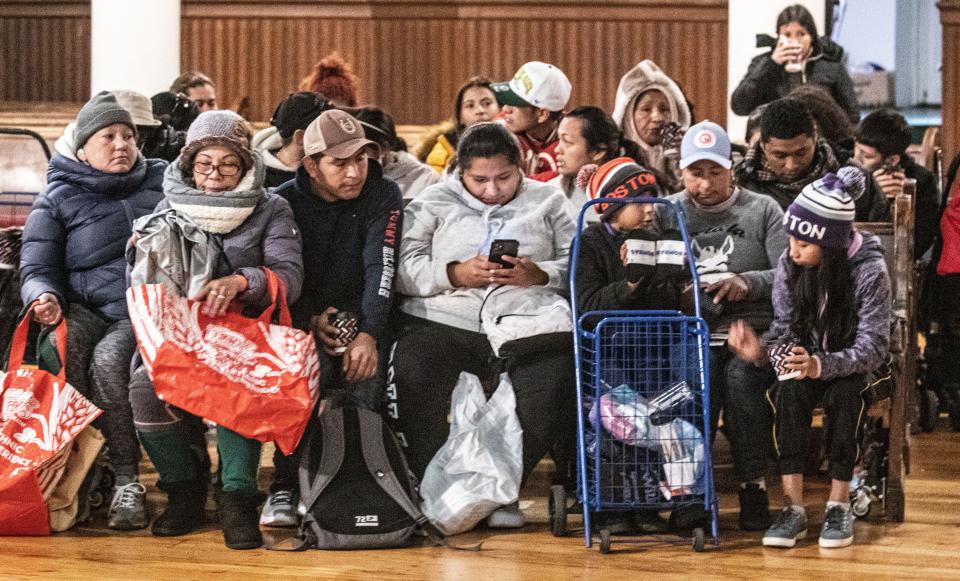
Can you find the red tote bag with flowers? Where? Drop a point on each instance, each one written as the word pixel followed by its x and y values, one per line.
pixel 41 415
pixel 258 379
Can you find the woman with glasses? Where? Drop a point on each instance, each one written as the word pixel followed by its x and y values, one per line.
pixel 217 183
pixel 72 266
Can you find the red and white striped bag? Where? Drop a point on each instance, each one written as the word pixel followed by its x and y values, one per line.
pixel 258 379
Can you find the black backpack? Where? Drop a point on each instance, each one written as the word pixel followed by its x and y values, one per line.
pixel 356 491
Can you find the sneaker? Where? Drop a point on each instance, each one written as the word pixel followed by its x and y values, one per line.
pixel 507 516
pixel 837 528
pixel 128 509
pixel 790 526
pixel 754 508
pixel 280 509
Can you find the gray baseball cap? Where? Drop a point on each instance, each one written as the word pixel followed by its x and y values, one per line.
pixel 705 140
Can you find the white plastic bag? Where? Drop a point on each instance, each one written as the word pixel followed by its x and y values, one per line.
pixel 480 466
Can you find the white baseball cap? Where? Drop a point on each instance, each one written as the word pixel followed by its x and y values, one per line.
pixel 705 140
pixel 536 84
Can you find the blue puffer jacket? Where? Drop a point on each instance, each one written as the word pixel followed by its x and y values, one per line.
pixel 75 236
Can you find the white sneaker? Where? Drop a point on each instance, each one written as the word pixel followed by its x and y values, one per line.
pixel 507 516
pixel 280 509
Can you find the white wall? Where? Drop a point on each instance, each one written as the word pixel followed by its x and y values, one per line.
pixel 135 44
pixel 868 32
pixel 748 18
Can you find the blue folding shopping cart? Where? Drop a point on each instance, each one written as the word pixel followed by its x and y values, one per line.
pixel 643 409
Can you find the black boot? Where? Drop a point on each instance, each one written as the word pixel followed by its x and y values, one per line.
pixel 754 508
pixel 239 516
pixel 185 508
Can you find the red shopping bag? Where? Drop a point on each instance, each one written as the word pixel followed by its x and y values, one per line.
pixel 255 378
pixel 40 414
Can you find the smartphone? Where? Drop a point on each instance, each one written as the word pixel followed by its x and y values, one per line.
pixel 501 248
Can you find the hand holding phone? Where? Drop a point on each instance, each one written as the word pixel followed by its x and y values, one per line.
pixel 500 248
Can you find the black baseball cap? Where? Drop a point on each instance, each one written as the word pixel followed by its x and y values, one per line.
pixel 297 111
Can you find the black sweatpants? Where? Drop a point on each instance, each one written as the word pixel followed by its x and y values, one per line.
pixel 739 388
pixel 844 407
pixel 426 362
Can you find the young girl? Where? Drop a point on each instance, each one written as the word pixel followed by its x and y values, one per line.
pixel 831 298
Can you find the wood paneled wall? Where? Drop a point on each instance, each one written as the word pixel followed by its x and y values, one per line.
pixel 410 55
pixel 950 18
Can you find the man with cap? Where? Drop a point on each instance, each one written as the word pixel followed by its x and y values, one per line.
pixel 737 240
pixel 281 144
pixel 155 139
pixel 533 102
pixel 349 217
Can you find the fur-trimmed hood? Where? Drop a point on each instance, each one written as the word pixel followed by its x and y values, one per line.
pixel 640 79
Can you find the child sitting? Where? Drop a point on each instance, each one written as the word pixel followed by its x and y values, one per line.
pixel 831 299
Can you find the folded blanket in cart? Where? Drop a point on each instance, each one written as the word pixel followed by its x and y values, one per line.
pixel 626 416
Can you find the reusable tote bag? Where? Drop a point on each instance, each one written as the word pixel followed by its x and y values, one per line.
pixel 258 379
pixel 40 414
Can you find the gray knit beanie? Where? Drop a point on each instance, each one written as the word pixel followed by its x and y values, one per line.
pixel 219 127
pixel 102 110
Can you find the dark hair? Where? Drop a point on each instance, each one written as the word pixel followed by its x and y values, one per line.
pixel 333 78
pixel 471 83
pixel 602 134
pixel 886 130
pixel 797 13
pixel 823 300
pixel 753 121
pixel 484 140
pixel 189 80
pixel 832 121
pixel 785 119
pixel 379 126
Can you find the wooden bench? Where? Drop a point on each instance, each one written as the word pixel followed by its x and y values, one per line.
pixel 897 239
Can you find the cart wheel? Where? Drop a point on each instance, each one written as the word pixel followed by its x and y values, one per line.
pixel 698 539
pixel 861 506
pixel 96 499
pixel 558 510
pixel 606 539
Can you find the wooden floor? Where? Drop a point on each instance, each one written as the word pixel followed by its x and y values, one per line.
pixel 926 546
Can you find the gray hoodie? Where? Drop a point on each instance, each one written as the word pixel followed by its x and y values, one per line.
pixel 872 289
pixel 410 174
pixel 445 224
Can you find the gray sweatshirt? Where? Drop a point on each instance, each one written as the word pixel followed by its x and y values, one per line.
pixel 745 239
pixel 445 224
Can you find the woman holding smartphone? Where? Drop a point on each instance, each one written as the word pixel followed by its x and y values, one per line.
pixel 798 57
pixel 447 277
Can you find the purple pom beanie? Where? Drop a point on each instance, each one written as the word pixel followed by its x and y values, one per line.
pixel 824 211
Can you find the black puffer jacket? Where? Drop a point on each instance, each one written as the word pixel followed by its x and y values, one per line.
pixel 75 236
pixel 767 81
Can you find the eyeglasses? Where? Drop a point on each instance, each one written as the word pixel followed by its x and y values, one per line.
pixel 226 169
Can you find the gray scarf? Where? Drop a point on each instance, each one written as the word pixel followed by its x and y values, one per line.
pixel 217 213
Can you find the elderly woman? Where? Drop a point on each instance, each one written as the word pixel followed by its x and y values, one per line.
pixel 448 277
pixel 72 265
pixel 218 184
pixel 653 112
